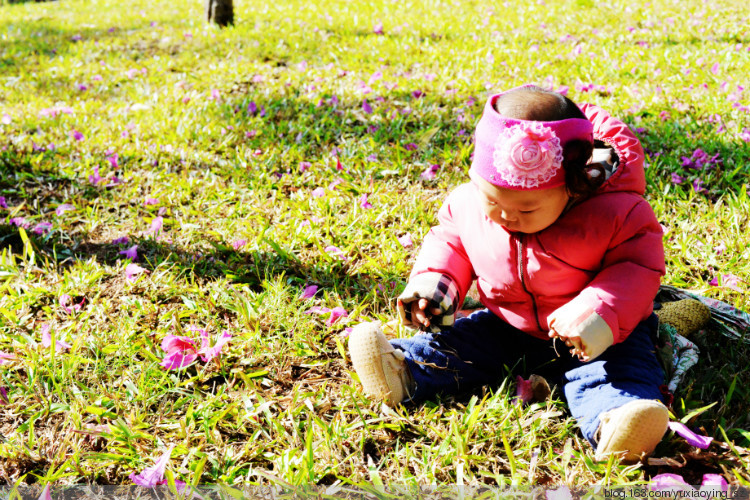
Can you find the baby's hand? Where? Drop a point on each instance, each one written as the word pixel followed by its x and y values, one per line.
pixel 421 313
pixel 574 342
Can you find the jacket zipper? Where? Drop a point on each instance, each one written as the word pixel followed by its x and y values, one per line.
pixel 521 248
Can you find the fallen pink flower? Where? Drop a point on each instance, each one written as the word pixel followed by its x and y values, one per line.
pixel 122 240
pixel 378 28
pixel 47 339
pixel 42 228
pixel 6 119
pixel 335 182
pixel 151 476
pixel 364 203
pixel 65 299
pixel 561 493
pixel 702 442
pixel 366 107
pixel 714 483
pixel 336 313
pixel 6 358
pixel 669 482
pixel 3 203
pixel 207 352
pixel 95 178
pixel 132 270
pixel 64 208
pixel 406 241
pixel 113 160
pixel 318 192
pixel 76 135
pixel 309 292
pixel 181 352
pixel 46 495
pixel 130 253
pixel 19 222
pixel 239 244
pixel 430 172
pixel 335 252
pixel 524 391
pixel 156 226
pixel 4 397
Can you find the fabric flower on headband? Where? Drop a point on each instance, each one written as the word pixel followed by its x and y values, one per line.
pixel 527 154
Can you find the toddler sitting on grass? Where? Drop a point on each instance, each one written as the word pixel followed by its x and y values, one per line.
pixel 562 250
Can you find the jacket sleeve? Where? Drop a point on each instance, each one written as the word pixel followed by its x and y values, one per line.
pixel 442 261
pixel 622 292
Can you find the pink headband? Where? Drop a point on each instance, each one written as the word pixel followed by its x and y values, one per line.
pixel 523 154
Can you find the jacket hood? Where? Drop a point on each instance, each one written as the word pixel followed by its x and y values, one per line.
pixel 629 175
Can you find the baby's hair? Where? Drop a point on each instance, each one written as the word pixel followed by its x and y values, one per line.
pixel 535 103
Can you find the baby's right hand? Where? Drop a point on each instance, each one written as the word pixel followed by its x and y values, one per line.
pixel 421 313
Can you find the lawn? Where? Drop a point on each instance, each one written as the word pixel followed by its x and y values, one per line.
pixel 262 188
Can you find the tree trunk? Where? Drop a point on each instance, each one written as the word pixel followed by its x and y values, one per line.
pixel 220 12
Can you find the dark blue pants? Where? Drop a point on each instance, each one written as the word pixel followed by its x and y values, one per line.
pixel 482 350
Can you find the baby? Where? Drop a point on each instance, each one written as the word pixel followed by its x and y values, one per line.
pixel 562 250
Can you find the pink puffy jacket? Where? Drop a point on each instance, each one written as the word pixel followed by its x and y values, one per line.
pixel 603 254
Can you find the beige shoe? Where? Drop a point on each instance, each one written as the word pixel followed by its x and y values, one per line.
pixel 381 368
pixel 632 430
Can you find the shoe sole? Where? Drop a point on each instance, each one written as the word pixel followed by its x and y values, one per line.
pixel 637 433
pixel 364 350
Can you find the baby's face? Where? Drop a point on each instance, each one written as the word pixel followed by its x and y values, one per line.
pixel 521 211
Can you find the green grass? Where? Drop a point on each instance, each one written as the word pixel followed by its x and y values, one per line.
pixel 172 98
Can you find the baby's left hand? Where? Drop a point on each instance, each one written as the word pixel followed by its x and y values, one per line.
pixel 582 329
pixel 575 343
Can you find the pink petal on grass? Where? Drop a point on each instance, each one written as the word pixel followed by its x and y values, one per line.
pixel 523 390
pixel 366 107
pixel 156 226
pixel 47 339
pixel 6 358
pixel 561 493
pixel 336 313
pixel 64 208
pixel 364 203
pixel 430 172
pixel 673 482
pixel 702 442
pixel 731 281
pixel 239 244
pixel 177 343
pixel 318 192
pixel 335 252
pixel 65 299
pixel 309 292
pixel 317 310
pixel 208 352
pixel 714 483
pixel 46 495
pixel 133 270
pixel 130 253
pixel 95 178
pixel 4 397
pixel 406 241
pixel 42 228
pixel 178 360
pixel 151 476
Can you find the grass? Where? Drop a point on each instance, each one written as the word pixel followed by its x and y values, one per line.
pixel 232 132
